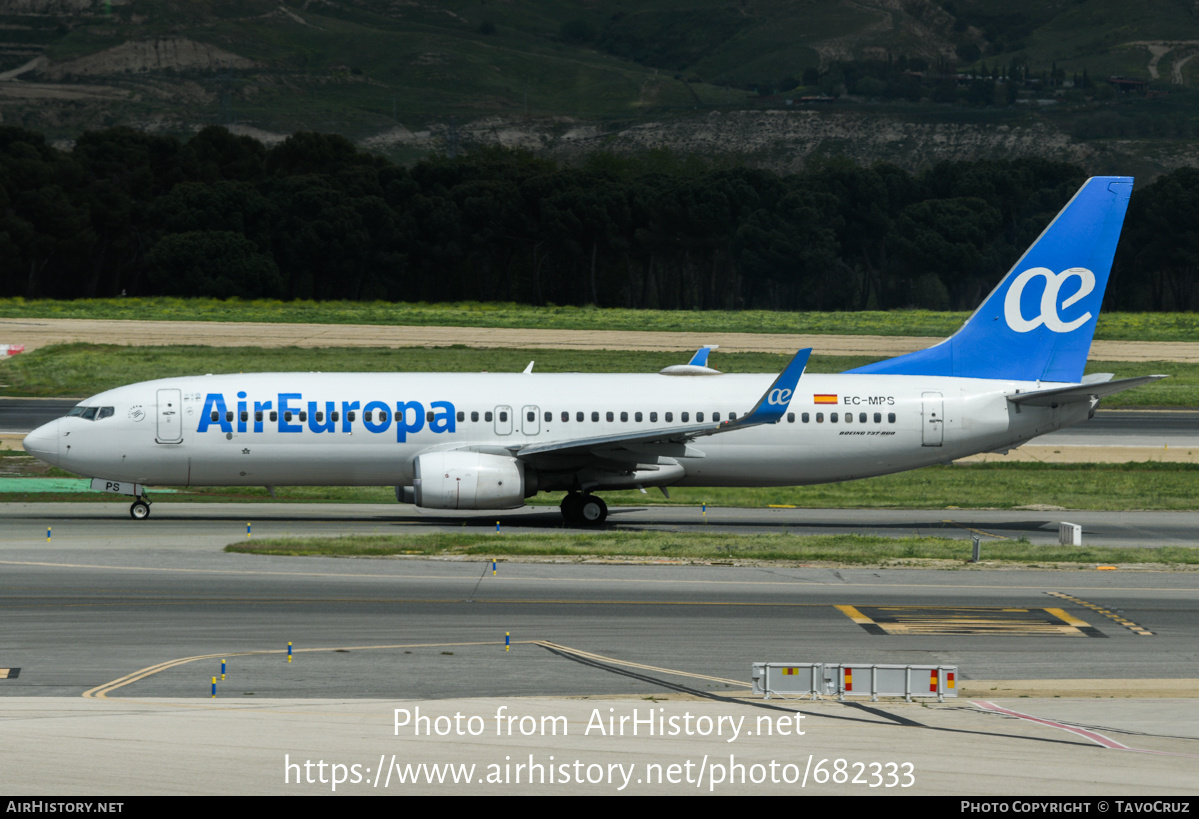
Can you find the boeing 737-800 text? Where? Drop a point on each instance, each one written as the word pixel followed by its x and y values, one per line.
pixel 489 441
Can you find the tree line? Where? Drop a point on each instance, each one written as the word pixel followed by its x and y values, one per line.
pixel 315 218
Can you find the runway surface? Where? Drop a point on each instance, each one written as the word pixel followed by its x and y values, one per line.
pixel 137 617
pixel 108 525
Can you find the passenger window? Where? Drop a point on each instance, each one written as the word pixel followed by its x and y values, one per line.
pixel 487 416
pixel 474 416
pixel 228 415
pixel 579 417
pixel 733 416
pixel 890 418
pixel 565 417
pixel 624 416
pixel 670 417
pixel 610 416
pixel 716 416
pixel 653 417
pixel 594 417
pixel 530 416
pixel 216 416
pixel 791 418
pixel 428 416
pixel 549 416
pixel 258 416
pixel 396 416
pixel 861 417
pixel 503 416
pixel 637 418
pixel 832 418
pixel 878 417
pixel 367 416
pixel 684 417
pixel 820 417
pixel 274 415
pixel 699 417
pixel 351 416
pixel 849 417
pixel 303 415
pixel 805 418
pixel 334 416
pixel 461 416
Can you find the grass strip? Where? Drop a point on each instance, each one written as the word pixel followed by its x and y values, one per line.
pixel 845 549
pixel 1039 487
pixel 1111 326
pixel 86 369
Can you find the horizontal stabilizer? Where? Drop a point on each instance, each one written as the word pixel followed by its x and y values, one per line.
pixel 700 359
pixel 1082 392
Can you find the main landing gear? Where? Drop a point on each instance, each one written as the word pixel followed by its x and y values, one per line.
pixel 583 510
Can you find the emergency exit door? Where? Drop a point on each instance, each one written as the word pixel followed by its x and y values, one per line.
pixel 933 418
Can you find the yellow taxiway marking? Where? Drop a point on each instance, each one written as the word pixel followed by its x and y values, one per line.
pixel 102 691
pixel 976 531
pixel 1128 624
pixel 968 620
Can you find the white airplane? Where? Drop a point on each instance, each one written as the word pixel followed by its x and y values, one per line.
pixel 489 441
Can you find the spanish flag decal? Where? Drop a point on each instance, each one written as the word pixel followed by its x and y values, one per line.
pixel 824 399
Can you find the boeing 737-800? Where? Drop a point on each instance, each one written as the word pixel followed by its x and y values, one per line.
pixel 489 441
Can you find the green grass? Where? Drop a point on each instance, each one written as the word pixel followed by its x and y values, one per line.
pixel 81 370
pixel 1112 487
pixel 848 549
pixel 1111 326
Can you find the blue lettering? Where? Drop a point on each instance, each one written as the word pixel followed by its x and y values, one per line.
pixel 241 413
pixel 214 404
pixel 409 416
pixel 443 417
pixel 327 426
pixel 384 416
pixel 284 409
pixel 346 408
pixel 402 425
pixel 259 406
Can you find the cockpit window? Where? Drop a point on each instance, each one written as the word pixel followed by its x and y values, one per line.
pixel 91 413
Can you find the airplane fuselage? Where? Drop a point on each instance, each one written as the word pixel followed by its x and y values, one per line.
pixel 314 429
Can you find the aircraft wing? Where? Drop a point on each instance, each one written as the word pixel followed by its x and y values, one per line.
pixel 769 410
pixel 1081 392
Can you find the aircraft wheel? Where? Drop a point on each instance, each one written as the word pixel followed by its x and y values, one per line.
pixel 140 510
pixel 570 508
pixel 592 510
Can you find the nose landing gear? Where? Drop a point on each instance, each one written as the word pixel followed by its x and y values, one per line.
pixel 583 510
pixel 140 510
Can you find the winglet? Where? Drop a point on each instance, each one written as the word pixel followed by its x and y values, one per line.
pixel 774 402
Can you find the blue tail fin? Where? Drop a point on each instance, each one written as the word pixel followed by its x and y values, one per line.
pixel 1039 322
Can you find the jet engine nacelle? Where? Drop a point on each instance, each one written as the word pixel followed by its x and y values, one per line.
pixel 469 480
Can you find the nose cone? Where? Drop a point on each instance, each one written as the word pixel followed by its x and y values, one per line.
pixel 42 443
